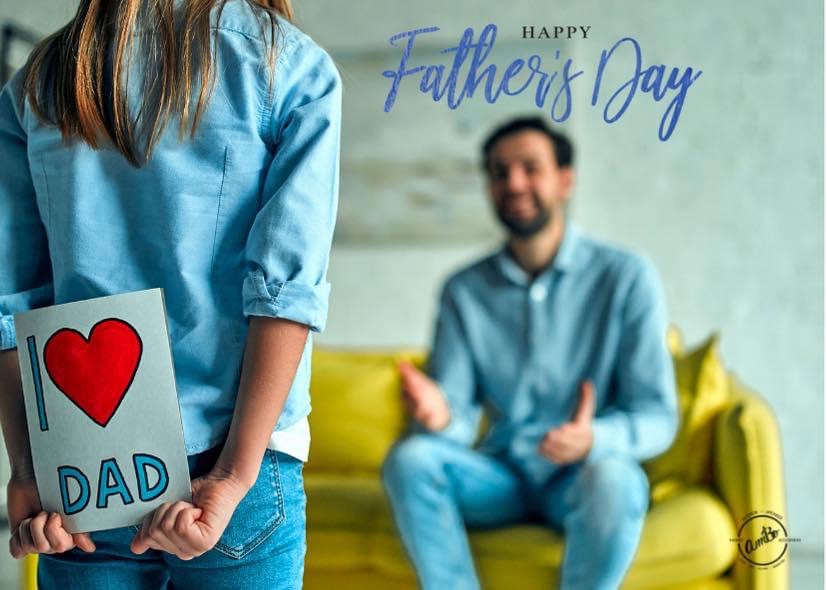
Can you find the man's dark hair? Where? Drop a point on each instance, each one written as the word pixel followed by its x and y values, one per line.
pixel 561 146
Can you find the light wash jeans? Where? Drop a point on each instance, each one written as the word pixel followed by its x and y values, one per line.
pixel 437 487
pixel 263 546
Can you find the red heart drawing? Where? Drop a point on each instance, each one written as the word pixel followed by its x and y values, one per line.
pixel 94 374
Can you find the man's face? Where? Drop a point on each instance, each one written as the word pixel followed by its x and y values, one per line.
pixel 528 190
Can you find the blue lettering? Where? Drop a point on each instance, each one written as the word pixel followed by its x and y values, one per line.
pixel 460 53
pixel 544 85
pixel 481 52
pixel 401 72
pixel 650 80
pixel 631 84
pixel 673 109
pixel 430 81
pixel 510 72
pixel 145 491
pixel 64 474
pixel 520 74
pixel 565 92
pixel 117 487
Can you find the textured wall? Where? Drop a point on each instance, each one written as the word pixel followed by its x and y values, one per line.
pixel 730 208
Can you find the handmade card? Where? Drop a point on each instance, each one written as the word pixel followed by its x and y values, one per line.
pixel 102 410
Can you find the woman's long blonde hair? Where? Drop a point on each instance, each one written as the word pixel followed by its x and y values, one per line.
pixel 71 82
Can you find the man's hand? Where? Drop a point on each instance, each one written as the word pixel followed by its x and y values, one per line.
pixel 36 531
pixel 423 398
pixel 190 530
pixel 572 441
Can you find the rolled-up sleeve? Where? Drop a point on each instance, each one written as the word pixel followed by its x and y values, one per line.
pixel 642 420
pixel 25 267
pixel 288 247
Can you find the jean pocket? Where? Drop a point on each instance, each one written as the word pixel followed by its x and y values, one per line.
pixel 258 515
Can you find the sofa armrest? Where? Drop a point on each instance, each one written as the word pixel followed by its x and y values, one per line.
pixel 749 476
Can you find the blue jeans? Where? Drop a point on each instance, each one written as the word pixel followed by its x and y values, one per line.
pixel 263 546
pixel 437 487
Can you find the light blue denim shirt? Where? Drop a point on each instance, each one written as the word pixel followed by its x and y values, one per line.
pixel 522 347
pixel 234 223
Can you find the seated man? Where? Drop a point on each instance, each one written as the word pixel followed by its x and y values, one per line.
pixel 562 339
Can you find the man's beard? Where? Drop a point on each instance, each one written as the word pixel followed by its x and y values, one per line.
pixel 525 228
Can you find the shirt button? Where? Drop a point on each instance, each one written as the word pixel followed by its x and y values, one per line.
pixel 537 292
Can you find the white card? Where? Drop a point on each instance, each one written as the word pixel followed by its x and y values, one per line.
pixel 102 410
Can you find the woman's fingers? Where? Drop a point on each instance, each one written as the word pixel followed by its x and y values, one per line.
pixel 57 537
pixel 25 536
pixel 44 533
pixel 170 528
pixel 14 546
pixel 84 542
pixel 176 529
pixel 157 535
pixel 37 527
pixel 167 523
pixel 141 542
pixel 186 528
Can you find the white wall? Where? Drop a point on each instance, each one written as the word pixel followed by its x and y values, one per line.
pixel 730 208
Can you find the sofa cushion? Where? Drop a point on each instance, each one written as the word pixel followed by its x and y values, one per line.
pixel 339 550
pixel 352 502
pixel 357 412
pixel 686 537
pixel 703 392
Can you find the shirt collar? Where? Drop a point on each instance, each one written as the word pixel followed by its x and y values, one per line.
pixel 564 260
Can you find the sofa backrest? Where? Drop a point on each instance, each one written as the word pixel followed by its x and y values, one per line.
pixel 357 409
pixel 358 413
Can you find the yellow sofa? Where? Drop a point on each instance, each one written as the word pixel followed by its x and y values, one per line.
pixel 725 463
pixel 728 466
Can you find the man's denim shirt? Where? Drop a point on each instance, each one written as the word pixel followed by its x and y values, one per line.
pixel 234 223
pixel 522 347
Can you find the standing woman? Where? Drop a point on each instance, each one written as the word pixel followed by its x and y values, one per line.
pixel 191 145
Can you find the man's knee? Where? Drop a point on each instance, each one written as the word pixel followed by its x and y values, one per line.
pixel 615 485
pixel 413 460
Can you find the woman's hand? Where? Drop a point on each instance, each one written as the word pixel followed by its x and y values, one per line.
pixel 36 531
pixel 189 530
